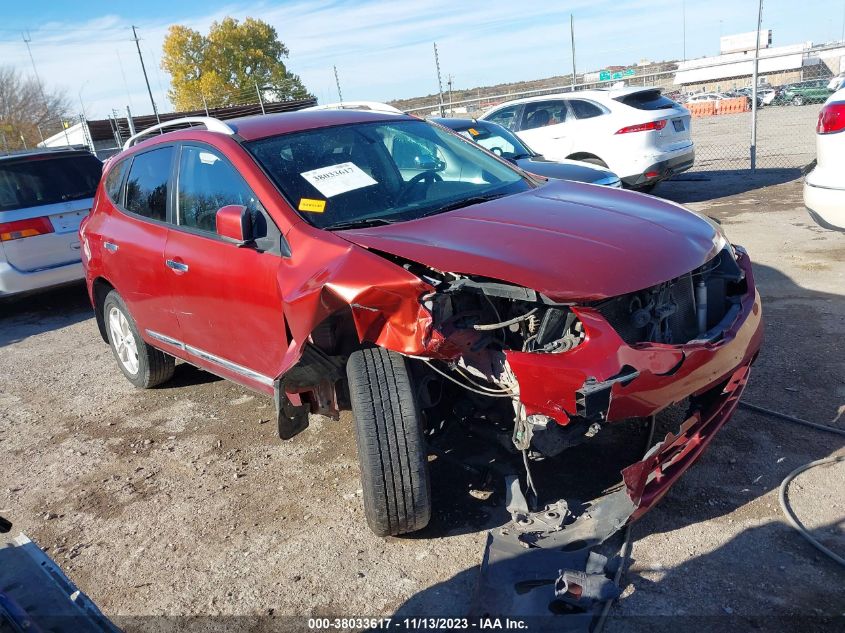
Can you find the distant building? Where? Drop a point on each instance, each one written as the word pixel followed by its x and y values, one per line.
pixel 777 65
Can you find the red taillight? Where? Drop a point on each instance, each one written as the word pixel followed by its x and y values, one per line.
pixel 24 228
pixel 644 127
pixel 831 118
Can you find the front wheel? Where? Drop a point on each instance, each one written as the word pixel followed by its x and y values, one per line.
pixel 798 100
pixel 142 364
pixel 391 448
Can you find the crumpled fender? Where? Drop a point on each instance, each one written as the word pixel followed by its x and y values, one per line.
pixel 384 298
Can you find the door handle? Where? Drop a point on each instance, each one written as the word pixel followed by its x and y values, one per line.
pixel 110 246
pixel 179 267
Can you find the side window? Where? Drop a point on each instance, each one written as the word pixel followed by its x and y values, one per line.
pixel 584 109
pixel 504 117
pixel 542 113
pixel 207 182
pixel 146 188
pixel 114 181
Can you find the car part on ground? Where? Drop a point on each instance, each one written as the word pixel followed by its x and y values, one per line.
pixel 35 595
pixel 824 186
pixel 349 238
pixel 507 145
pixel 44 195
pixel 637 133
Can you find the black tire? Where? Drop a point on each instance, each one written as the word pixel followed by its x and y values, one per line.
pixel 647 188
pixel 154 366
pixel 391 447
pixel 797 100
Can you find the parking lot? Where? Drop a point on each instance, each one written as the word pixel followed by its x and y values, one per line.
pixel 785 138
pixel 181 501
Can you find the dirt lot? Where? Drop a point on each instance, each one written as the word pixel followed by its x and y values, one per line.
pixel 181 501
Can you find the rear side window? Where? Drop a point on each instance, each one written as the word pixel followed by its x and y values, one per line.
pixel 146 188
pixel 504 117
pixel 647 100
pixel 542 113
pixel 584 109
pixel 208 182
pixel 38 181
pixel 114 181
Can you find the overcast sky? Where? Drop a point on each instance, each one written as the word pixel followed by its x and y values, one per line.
pixel 383 48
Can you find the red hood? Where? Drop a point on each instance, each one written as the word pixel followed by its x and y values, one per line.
pixel 566 240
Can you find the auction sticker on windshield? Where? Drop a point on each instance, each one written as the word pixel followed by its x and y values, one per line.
pixel 337 179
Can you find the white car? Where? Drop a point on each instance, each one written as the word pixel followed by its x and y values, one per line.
pixel 371 106
pixel 44 195
pixel 635 132
pixel 706 96
pixel 824 187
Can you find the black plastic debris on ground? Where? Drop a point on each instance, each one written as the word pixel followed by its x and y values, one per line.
pixel 542 565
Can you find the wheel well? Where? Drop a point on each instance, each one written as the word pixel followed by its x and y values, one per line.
pixel 101 289
pixel 584 156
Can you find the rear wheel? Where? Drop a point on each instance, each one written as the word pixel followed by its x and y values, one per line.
pixel 142 364
pixel 391 448
pixel 797 100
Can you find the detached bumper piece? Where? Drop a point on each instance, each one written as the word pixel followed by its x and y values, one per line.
pixel 544 563
pixel 36 596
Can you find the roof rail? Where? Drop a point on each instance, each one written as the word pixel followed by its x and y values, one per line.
pixel 211 124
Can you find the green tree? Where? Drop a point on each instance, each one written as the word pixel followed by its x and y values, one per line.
pixel 225 66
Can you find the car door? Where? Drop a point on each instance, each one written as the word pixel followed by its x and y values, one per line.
pixel 131 238
pixel 545 127
pixel 225 297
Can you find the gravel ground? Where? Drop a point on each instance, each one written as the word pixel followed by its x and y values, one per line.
pixel 181 501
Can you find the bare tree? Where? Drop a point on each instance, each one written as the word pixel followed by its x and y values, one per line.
pixel 27 114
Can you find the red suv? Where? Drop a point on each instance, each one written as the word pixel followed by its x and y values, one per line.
pixel 348 259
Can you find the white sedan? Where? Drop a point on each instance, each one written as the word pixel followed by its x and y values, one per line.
pixel 635 132
pixel 824 187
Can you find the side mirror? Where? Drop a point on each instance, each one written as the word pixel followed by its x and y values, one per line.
pixel 234 224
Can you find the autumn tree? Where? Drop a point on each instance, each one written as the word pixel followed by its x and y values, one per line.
pixel 26 114
pixel 225 66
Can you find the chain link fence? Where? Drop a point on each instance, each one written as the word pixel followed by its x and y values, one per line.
pixel 793 83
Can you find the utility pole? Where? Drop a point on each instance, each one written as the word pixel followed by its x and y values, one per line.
pixel 337 83
pixel 146 79
pixel 439 81
pixel 26 40
pixel 684 18
pixel 449 83
pixel 572 41
pixel 754 89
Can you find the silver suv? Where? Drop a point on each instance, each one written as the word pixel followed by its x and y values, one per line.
pixel 44 195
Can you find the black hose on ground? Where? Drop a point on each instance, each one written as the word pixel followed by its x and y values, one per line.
pixel 784 504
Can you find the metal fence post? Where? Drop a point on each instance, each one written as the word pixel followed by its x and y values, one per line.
pixel 260 100
pixel 754 90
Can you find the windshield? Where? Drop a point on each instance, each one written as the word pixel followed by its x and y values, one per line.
pixel 33 182
pixel 497 139
pixel 377 173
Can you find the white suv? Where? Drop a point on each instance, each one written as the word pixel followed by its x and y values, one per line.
pixel 824 187
pixel 636 132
